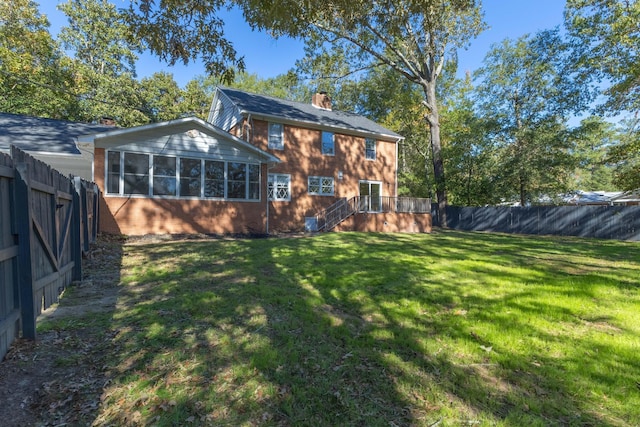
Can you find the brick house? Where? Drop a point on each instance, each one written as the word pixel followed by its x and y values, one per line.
pixel 258 165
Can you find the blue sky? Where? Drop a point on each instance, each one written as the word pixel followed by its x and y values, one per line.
pixel 268 57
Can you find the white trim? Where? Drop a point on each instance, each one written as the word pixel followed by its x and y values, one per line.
pixel 320 193
pixel 275 176
pixel 333 143
pixel 179 196
pixel 119 137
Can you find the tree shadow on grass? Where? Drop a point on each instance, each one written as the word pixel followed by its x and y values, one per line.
pixel 352 329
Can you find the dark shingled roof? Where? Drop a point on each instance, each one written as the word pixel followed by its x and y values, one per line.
pixel 44 135
pixel 302 112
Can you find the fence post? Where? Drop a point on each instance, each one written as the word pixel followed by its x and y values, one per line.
pixel 25 270
pixel 96 211
pixel 76 231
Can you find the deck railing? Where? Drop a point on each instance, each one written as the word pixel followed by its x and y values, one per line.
pixel 344 208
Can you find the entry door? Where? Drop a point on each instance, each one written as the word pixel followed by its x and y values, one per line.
pixel 370 196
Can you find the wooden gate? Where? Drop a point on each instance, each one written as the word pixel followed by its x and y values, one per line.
pixel 49 255
pixel 47 221
pixel 9 291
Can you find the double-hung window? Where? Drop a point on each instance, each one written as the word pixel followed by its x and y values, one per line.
pixel 279 187
pixel 136 173
pixel 320 185
pixel 370 149
pixel 164 176
pixel 236 180
pixel 113 172
pixel 190 177
pixel 276 138
pixel 328 144
pixel 213 179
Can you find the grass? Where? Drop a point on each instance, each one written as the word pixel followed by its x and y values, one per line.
pixel 377 330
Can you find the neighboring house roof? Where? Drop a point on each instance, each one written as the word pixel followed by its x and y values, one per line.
pixel 281 110
pixel 601 197
pixel 139 134
pixel 34 134
pixel 628 197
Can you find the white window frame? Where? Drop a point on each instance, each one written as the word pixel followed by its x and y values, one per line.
pixel 321 185
pixel 273 187
pixel 325 147
pixel 276 143
pixel 368 202
pixel 108 178
pixel 368 150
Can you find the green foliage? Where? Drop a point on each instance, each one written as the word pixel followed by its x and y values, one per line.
pixel 98 38
pixel 104 62
pixel 162 97
pixel 182 31
pixel 626 158
pixel 606 39
pixel 526 93
pixel 35 77
pixel 594 139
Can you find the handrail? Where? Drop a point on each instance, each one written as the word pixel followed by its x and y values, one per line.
pixel 343 208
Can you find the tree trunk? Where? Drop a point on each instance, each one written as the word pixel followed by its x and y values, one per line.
pixel 433 119
pixel 438 173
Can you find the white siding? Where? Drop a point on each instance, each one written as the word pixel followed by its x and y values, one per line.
pixel 194 145
pixel 224 113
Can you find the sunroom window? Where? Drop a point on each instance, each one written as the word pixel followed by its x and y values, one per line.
pixel 136 173
pixel 213 179
pixel 164 176
pixel 170 176
pixel 190 177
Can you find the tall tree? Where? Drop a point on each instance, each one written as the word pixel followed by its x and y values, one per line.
pixel 163 99
pixel 626 157
pixel 469 152
pixel 105 61
pixel 413 37
pixel 606 42
pixel 35 78
pixel 594 138
pixel 525 89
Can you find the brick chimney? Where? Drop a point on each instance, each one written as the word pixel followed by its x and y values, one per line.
pixel 321 100
pixel 107 121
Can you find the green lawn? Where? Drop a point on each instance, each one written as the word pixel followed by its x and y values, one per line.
pixel 359 329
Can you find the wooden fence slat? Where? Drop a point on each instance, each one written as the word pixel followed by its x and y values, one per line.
pixel 43 188
pixel 41 239
pixel 52 277
pixel 76 231
pixel 8 253
pixel 6 172
pixel 25 265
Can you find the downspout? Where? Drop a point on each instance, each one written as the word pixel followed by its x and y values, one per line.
pixel 249 135
pixel 396 167
pixel 266 196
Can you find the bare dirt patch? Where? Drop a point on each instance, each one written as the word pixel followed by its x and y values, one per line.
pixel 59 378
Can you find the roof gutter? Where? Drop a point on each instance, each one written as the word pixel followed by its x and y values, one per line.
pixel 320 126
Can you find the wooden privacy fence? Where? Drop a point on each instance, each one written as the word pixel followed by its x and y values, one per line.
pixel 601 222
pixel 47 221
